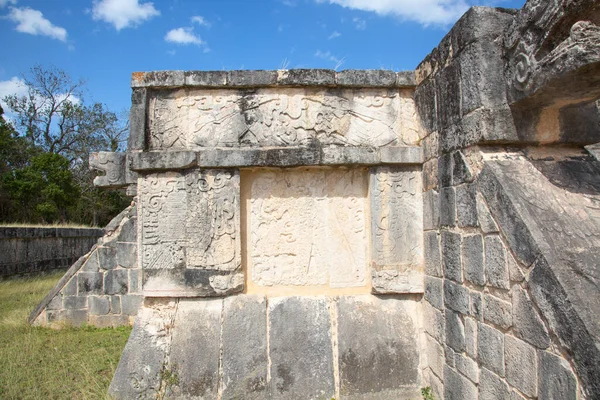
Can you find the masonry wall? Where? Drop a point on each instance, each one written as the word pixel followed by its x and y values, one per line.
pixel 31 250
pixel 102 287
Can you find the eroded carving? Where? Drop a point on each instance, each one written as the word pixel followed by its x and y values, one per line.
pixel 307 227
pixel 192 118
pixel 113 166
pixel 190 231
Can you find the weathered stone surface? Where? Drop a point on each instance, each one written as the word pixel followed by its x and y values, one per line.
pixel 115 304
pixel 496 270
pixel 107 257
pixel 362 78
pixel 467 367
pixel 396 281
pixel 434 292
pixel 431 210
pixel 456 297
pixel 455 331
pixel 457 386
pixel 377 341
pixel 300 348
pixel 432 254
pixel 451 243
pixel 127 255
pixel 521 365
pixel 89 282
pixel 477 305
pixel 116 282
pixel 466 206
pixel 447 207
pixel 99 305
pixel 472 257
pixel 130 304
pixel 308 228
pixel 514 271
pixel 486 222
pixel 114 166
pixel 138 374
pixel 490 348
pixel 434 322
pixel 471 337
pixel 527 323
pixel 461 171
pixel 491 387
pixel 244 338
pixel 435 356
pixel 75 302
pixel 195 348
pixel 195 118
pixel 190 233
pixel 497 312
pixel 555 378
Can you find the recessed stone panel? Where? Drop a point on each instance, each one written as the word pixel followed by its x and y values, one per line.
pixel 190 233
pixel 306 227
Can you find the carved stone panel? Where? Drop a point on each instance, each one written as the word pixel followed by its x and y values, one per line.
pixel 306 227
pixel 190 233
pixel 396 229
pixel 197 118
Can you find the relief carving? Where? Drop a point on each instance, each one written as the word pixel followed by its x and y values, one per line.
pixel 189 119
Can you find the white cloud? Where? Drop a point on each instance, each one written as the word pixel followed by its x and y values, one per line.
pixel 359 23
pixel 334 34
pixel 200 20
pixel 3 3
pixel 33 22
pixel 123 13
pixel 183 36
pixel 425 12
pixel 12 86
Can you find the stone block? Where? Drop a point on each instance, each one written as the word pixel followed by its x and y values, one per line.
pixel 466 206
pixel 75 318
pixel 472 256
pixel 435 356
pixel 251 78
pixel 431 210
pixel 128 233
pixel 455 331
pixel 434 322
pixel 431 146
pixel 434 292
pixel 486 222
pixel 205 78
pixel 405 79
pixel 445 170
pixel 98 305
pixel 91 264
pixel 425 100
pixel 89 282
pixel 306 77
pixel 157 79
pixel 55 303
pixel 127 255
pixel 433 256
pixel 108 321
pixel 195 348
pixel 366 78
pixel 139 373
pixel 451 243
pixel 497 312
pixel 527 323
pixel 447 207
pixel 134 281
pixel 447 83
pixel 430 175
pixel 107 257
pixel 457 386
pixel 244 353
pixel 477 305
pixel 521 365
pixel 75 302
pixel 70 288
pixel 378 358
pixel 555 378
pixel 116 282
pixel 496 269
pixel 467 367
pixel 457 297
pixel 490 348
pixel 115 304
pixel 131 304
pixel 461 171
pixel 492 387
pixel 450 356
pixel 300 348
pixel 400 280
pixel 514 271
pixel 471 337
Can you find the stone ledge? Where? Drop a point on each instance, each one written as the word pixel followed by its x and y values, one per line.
pixel 274 157
pixel 275 78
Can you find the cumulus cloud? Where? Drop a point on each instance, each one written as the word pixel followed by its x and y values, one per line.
pixel 334 34
pixel 183 36
pixel 12 86
pixel 33 22
pixel 123 13
pixel 200 20
pixel 425 12
pixel 3 3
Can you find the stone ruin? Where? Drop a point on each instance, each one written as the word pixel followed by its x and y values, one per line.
pixel 311 234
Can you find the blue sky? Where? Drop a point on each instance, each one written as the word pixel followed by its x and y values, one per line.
pixel 104 41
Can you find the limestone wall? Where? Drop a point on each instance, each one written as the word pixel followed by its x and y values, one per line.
pixel 102 288
pixel 31 250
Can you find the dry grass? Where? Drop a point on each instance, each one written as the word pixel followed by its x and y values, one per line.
pixel 41 363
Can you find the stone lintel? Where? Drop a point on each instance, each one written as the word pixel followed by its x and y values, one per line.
pixel 274 157
pixel 274 78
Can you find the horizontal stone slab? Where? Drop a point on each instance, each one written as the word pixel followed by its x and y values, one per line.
pixel 275 78
pixel 274 157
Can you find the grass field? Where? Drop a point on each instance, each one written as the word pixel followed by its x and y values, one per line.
pixel 40 363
